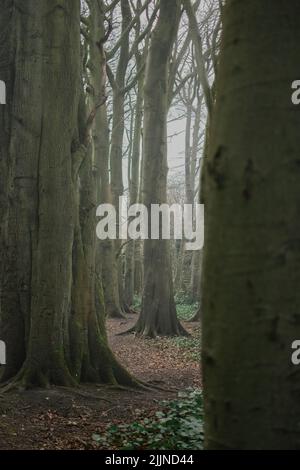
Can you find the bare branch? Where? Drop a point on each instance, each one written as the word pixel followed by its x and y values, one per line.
pixel 112 6
pixel 196 38
pixel 115 48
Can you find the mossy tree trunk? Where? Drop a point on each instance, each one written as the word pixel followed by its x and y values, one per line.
pixel 53 332
pixel 15 258
pixel 251 260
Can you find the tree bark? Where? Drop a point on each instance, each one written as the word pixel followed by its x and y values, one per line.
pixel 251 261
pixel 106 263
pixel 53 332
pixel 117 136
pixel 134 184
pixel 158 315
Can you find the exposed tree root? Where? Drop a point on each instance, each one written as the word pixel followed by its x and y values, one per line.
pixel 151 333
pixel 84 394
pixel 31 377
pixel 115 314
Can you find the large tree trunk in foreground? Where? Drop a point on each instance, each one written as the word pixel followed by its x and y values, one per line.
pixel 9 273
pixel 48 294
pixel 252 251
pixel 158 316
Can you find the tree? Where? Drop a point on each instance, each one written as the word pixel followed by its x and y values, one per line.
pixel 121 86
pixel 206 64
pixel 134 181
pixel 158 315
pixel 95 37
pixel 251 260
pixel 49 321
pixel 196 38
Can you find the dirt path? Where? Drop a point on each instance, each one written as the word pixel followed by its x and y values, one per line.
pixel 66 419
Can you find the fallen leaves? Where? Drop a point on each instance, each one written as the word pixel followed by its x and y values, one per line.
pixel 65 419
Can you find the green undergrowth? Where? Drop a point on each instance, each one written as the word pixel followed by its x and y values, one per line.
pixel 185 312
pixel 189 346
pixel 137 303
pixel 186 309
pixel 177 426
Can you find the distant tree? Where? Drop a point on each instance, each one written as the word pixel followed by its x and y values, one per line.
pixel 134 177
pixel 158 315
pixel 122 52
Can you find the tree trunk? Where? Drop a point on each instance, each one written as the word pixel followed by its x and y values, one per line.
pixel 196 270
pixel 251 260
pixel 117 136
pixel 54 334
pixel 158 316
pixel 106 263
pixel 134 184
pixel 191 153
pixel 15 262
pixel 178 277
pixel 40 147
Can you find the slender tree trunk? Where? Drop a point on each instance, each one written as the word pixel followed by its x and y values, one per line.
pixel 158 316
pixel 195 275
pixel 189 191
pixel 191 153
pixel 106 263
pixel 196 256
pixel 138 268
pixel 178 278
pixel 134 184
pixel 195 146
pixel 116 152
pixel 251 260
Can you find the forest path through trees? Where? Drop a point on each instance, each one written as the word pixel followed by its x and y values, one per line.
pixel 60 418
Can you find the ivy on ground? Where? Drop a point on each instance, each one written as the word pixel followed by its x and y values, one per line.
pixel 178 426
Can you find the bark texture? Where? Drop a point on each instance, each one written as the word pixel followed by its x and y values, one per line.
pixel 49 321
pixel 106 263
pixel 252 251
pixel 134 184
pixel 158 315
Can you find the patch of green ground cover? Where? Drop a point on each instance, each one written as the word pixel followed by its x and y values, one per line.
pixel 190 345
pixel 178 426
pixel 185 312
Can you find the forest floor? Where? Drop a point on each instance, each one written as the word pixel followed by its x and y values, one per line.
pixel 62 418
